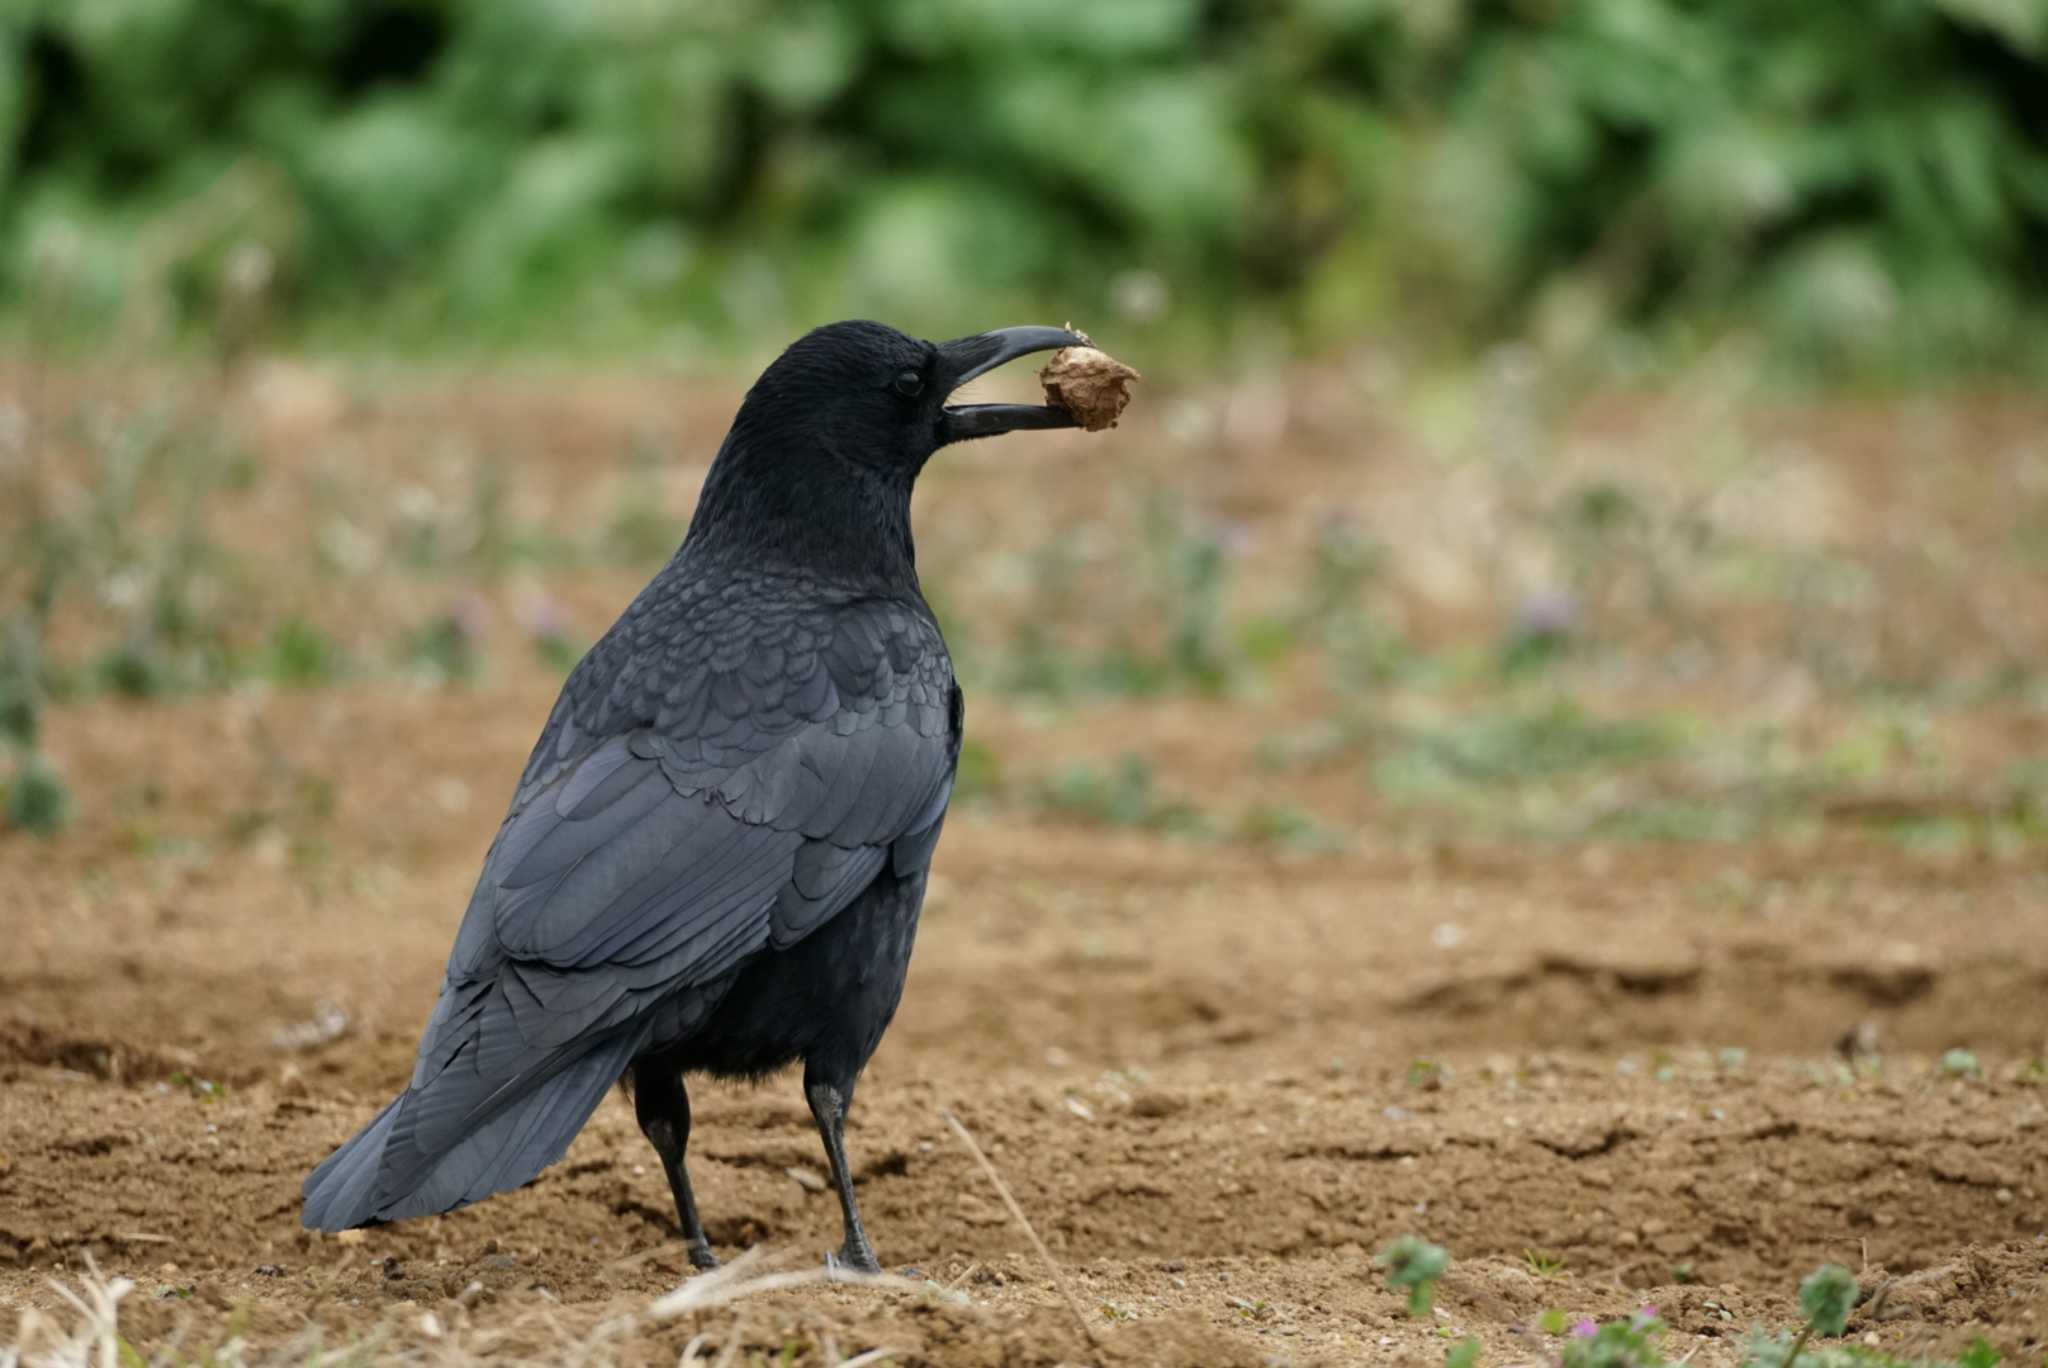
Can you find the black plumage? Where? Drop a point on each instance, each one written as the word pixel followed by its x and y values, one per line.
pixel 716 855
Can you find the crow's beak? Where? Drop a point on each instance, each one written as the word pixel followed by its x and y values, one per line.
pixel 964 358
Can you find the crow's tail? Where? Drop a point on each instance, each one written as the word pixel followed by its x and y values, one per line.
pixel 391 1172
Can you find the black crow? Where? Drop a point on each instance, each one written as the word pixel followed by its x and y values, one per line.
pixel 715 858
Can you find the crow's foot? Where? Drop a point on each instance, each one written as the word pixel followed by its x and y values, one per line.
pixel 853 1258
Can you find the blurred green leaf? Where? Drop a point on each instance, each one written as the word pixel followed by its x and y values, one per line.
pixel 36 799
pixel 1826 1297
pixel 2022 24
pixel 1867 184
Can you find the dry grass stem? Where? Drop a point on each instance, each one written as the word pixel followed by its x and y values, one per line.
pixel 1059 1277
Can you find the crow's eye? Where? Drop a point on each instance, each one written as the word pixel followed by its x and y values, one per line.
pixel 909 384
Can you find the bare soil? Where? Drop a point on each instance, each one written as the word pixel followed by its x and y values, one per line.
pixel 1218 1078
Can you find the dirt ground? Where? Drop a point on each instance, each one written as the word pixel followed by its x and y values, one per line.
pixel 1218 1077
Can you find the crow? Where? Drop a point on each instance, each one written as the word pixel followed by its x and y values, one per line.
pixel 716 855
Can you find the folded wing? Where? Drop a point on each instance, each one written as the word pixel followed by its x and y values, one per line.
pixel 654 860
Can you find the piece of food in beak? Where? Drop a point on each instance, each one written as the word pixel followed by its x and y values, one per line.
pixel 1091 385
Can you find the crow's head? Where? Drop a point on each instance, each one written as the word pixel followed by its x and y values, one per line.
pixel 817 470
pixel 868 393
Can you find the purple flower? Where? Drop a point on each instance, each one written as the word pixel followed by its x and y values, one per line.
pixel 1644 1315
pixel 543 617
pixel 1547 613
pixel 468 616
pixel 1584 1329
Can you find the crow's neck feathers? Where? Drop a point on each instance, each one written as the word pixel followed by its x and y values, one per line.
pixel 804 505
pixel 814 477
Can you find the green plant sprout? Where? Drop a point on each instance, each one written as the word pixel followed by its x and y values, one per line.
pixel 1630 1343
pixel 1414 1264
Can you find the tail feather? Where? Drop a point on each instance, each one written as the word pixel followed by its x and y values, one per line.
pixel 359 1184
pixel 342 1192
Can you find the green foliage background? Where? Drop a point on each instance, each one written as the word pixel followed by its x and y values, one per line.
pixel 1859 182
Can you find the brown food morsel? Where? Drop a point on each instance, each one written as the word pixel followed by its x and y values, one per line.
pixel 1091 385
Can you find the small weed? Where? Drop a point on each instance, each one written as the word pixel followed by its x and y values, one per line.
pixel 548 632
pixel 1826 1296
pixel 1555 739
pixel 1831 1073
pixel 1553 1322
pixel 1414 1265
pixel 34 797
pixel 1122 796
pixel 1630 1343
pixel 1960 1063
pixel 1980 1354
pixel 448 649
pixel 300 654
pixel 22 688
pixel 37 800
pixel 1362 651
pixel 1196 573
pixel 1427 1075
pixel 1287 827
pixel 1547 768
pixel 1542 635
pixel 1463 1354
pixel 205 1089
pixel 1343 563
pixel 136 669
pixel 1541 1264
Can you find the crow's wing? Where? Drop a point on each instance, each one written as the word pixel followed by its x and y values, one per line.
pixel 757 790
pixel 792 744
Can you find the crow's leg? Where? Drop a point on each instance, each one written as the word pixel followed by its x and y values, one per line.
pixel 664 1111
pixel 830 1099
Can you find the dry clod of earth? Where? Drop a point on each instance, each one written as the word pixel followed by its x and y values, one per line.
pixel 1091 385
